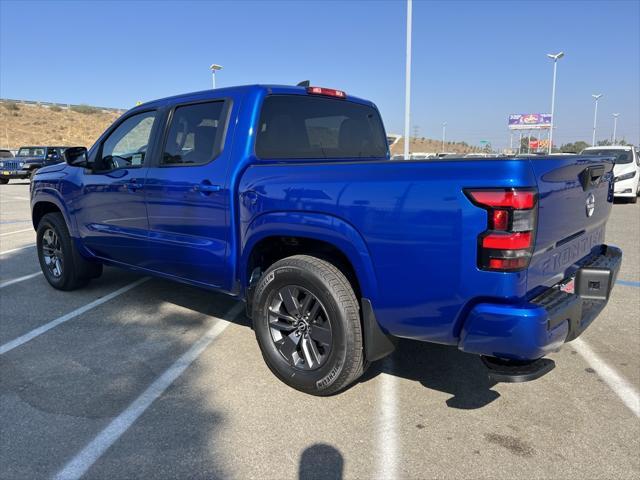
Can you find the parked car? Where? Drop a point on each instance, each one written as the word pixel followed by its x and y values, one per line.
pixel 286 197
pixel 38 157
pixel 422 155
pixel 626 169
pixel 10 167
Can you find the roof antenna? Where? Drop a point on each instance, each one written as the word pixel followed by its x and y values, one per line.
pixel 304 83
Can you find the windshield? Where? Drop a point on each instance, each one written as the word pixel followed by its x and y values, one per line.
pixel 621 156
pixel 31 152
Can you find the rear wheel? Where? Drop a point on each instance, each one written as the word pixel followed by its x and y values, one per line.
pixel 63 267
pixel 307 323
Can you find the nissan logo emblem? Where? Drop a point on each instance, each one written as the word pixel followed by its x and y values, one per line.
pixel 591 204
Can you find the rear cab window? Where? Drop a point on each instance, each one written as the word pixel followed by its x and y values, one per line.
pixel 312 127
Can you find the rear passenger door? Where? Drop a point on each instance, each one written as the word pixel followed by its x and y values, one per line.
pixel 187 194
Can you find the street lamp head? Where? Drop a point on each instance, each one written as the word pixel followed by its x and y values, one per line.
pixel 616 115
pixel 556 56
pixel 597 96
pixel 215 67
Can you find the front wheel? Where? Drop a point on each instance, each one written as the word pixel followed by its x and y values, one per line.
pixel 307 323
pixel 4 181
pixel 63 267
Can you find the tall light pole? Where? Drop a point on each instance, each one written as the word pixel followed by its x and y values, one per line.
pixel 615 126
pixel 214 67
pixel 444 133
pixel 595 118
pixel 555 57
pixel 407 83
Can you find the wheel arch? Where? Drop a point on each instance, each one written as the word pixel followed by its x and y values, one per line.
pixel 326 236
pixel 46 202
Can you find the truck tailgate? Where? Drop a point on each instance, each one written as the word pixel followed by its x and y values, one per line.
pixel 575 199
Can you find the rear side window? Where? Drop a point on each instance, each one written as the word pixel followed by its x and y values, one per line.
pixel 307 127
pixel 195 135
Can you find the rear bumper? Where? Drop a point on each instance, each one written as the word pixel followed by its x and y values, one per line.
pixel 532 330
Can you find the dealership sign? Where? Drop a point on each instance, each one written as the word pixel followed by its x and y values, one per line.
pixel 529 121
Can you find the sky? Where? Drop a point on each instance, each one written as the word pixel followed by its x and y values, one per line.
pixel 474 62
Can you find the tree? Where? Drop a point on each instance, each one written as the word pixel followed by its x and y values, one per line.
pixel 575 147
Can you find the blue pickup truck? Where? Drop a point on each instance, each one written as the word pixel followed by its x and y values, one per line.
pixel 286 197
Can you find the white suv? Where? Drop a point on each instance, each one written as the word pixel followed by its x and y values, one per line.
pixel 626 169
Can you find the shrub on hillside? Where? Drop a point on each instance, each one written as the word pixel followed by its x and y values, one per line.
pixel 55 108
pixel 11 106
pixel 86 109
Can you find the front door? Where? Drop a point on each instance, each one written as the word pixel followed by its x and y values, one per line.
pixel 110 208
pixel 188 196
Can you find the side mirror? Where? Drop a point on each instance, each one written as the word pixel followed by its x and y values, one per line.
pixel 77 157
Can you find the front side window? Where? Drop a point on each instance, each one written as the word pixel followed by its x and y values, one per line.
pixel 195 135
pixel 308 127
pixel 126 146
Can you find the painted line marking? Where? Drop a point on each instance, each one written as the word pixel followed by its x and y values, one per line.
pixel 19 279
pixel 387 423
pixel 7 222
pixel 17 249
pixel 623 389
pixel 90 454
pixel 21 340
pixel 14 197
pixel 17 231
pixel 628 283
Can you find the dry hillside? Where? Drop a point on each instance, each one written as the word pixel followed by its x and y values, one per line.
pixel 23 124
pixel 426 145
pixel 26 124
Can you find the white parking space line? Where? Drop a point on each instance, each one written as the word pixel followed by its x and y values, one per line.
pixel 387 428
pixel 17 249
pixel 17 231
pixel 21 340
pixel 14 197
pixel 625 391
pixel 19 279
pixel 79 465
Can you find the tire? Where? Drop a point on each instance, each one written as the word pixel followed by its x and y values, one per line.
pixel 4 181
pixel 62 265
pixel 633 199
pixel 319 353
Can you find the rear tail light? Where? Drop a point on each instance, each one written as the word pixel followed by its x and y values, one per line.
pixel 507 243
pixel 328 92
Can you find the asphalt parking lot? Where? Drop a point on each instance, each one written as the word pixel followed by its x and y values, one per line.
pixel 143 378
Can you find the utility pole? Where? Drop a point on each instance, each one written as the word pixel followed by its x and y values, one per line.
pixel 595 119
pixel 407 83
pixel 555 57
pixel 214 67
pixel 444 134
pixel 615 126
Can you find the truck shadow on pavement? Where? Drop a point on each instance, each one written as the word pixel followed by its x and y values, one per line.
pixel 440 367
